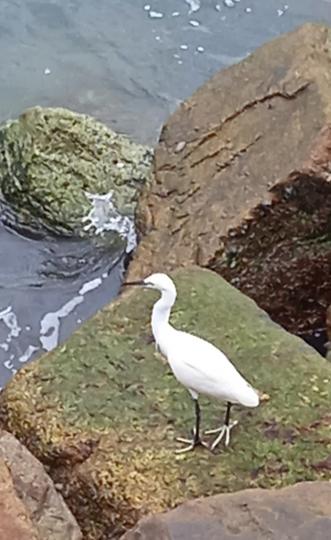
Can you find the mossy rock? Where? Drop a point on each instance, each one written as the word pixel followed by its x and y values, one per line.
pixel 50 158
pixel 102 411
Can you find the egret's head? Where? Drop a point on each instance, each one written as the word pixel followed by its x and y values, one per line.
pixel 159 282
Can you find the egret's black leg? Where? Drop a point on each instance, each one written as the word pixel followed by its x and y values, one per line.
pixel 196 440
pixel 223 430
pixel 196 433
pixel 227 414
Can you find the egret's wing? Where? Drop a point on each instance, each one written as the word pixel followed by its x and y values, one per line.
pixel 206 369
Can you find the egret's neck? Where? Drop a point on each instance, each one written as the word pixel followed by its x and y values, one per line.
pixel 161 314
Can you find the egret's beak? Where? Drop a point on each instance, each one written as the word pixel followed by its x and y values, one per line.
pixel 139 283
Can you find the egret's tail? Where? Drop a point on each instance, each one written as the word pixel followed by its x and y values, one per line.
pixel 250 397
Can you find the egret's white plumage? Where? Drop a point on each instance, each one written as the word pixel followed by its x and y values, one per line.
pixel 203 368
pixel 197 364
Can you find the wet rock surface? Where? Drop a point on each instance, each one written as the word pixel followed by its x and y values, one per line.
pixel 102 411
pixel 301 511
pixel 30 506
pixel 52 158
pixel 242 181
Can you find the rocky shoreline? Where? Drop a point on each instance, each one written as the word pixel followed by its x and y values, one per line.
pixel 242 181
pixel 101 412
pixel 236 207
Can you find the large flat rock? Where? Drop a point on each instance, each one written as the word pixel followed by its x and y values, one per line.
pixel 242 181
pixel 301 512
pixel 102 411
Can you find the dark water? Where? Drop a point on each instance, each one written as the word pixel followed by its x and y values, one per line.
pixel 48 287
pixel 111 59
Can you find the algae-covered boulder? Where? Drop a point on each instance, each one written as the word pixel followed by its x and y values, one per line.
pixel 103 410
pixel 50 158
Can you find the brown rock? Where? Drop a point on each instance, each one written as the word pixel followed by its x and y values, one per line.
pixel 15 523
pixel 300 512
pixel 35 495
pixel 249 194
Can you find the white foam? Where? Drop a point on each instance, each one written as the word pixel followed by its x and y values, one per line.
pixel 104 216
pixel 8 317
pixel 9 365
pixel 194 5
pixel 281 12
pixel 155 14
pixel 90 285
pixel 27 354
pixel 50 323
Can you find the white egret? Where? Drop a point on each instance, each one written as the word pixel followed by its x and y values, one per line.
pixel 196 363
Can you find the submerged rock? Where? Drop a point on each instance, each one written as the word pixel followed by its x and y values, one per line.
pixel 52 159
pixel 249 194
pixel 31 498
pixel 301 511
pixel 102 411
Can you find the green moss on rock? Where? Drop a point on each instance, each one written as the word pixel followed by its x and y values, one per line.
pixel 103 411
pixel 50 157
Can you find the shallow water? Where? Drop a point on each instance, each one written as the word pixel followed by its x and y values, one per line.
pixel 129 66
pixel 48 287
pixel 111 59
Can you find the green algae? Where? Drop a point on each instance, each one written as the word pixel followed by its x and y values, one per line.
pixel 50 158
pixel 103 410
